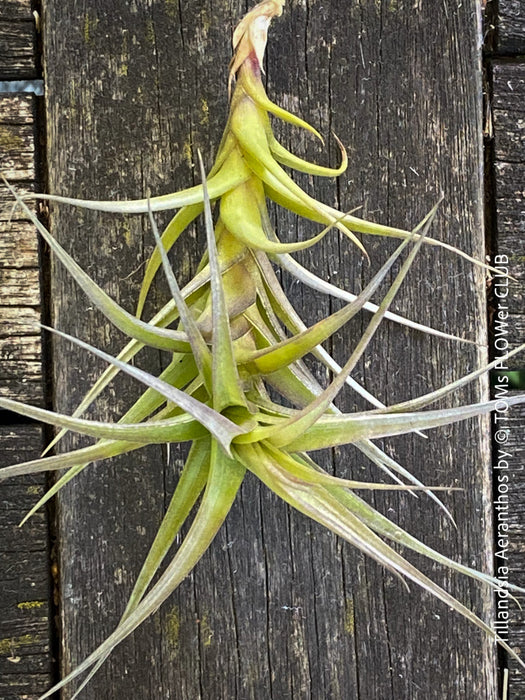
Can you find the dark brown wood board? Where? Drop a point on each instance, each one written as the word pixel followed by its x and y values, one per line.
pixel 20 344
pixel 278 608
pixel 511 27
pixel 25 655
pixel 511 456
pixel 509 152
pixel 25 594
pixel 17 40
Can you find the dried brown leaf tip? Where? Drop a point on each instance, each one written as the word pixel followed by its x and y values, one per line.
pixel 251 35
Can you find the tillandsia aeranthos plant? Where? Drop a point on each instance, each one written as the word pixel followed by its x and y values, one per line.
pixel 237 348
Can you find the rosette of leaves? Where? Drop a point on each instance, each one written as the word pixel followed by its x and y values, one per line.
pixel 237 386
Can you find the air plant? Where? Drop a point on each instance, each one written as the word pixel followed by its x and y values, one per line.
pixel 237 386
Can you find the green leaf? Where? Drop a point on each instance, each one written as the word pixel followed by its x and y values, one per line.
pixel 241 215
pixel 179 372
pixel 287 314
pixel 320 285
pixel 290 160
pixel 219 426
pixel 307 474
pixel 139 330
pixel 200 350
pixel 239 292
pixel 295 383
pixel 287 351
pixel 179 429
pixel 102 450
pixel 318 503
pixel 340 430
pixel 295 427
pixel 256 91
pixel 433 396
pixel 383 526
pixel 232 174
pixel 226 384
pixel 191 482
pixel 164 317
pixel 323 214
pixel 260 159
pixel 180 222
pixel 225 478
pixel 176 226
pixel 367 227
pixel 54 489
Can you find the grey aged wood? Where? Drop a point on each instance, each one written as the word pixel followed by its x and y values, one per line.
pixel 17 40
pixel 20 345
pixel 16 10
pixel 509 150
pixel 25 657
pixel 25 600
pixel 278 608
pixel 16 139
pixel 512 456
pixel 511 27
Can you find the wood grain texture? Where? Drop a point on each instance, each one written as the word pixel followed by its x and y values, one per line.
pixel 17 144
pixel 509 150
pixel 17 54
pixel 278 608
pixel 25 634
pixel 17 40
pixel 20 345
pixel 16 10
pixel 25 656
pixel 511 458
pixel 6 202
pixel 19 322
pixel 511 27
pixel 18 245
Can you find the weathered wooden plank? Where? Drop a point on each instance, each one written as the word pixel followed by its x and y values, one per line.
pixel 509 151
pixel 18 322
pixel 509 89
pixel 19 287
pixel 511 27
pixel 7 214
pixel 21 381
pixel 18 245
pixel 17 45
pixel 277 608
pixel 25 656
pixel 20 345
pixel 27 348
pixel 17 144
pixel 16 109
pixel 509 458
pixel 16 10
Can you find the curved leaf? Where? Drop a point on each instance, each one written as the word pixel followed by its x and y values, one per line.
pixel 232 174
